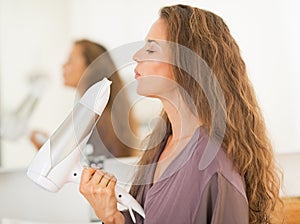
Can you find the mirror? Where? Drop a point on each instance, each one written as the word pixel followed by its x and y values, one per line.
pixel 36 37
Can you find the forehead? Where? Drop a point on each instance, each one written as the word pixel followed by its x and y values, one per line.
pixel 77 48
pixel 158 30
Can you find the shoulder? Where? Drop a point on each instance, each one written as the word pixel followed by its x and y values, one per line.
pixel 227 169
pixel 211 159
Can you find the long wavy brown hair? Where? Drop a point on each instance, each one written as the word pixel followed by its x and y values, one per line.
pixel 245 140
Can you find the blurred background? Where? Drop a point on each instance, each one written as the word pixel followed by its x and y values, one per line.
pixel 36 37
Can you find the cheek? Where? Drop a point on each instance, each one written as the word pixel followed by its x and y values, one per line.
pixel 77 73
pixel 157 68
pixel 156 79
pixel 79 70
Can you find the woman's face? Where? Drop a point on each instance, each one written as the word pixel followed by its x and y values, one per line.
pixel 153 72
pixel 75 66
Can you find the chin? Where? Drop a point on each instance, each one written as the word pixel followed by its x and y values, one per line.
pixel 141 92
pixel 142 87
pixel 66 83
pixel 146 92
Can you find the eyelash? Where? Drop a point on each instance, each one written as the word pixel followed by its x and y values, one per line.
pixel 150 51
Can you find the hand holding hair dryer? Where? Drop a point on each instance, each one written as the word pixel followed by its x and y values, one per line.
pixel 58 161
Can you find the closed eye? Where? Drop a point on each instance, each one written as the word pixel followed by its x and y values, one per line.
pixel 150 51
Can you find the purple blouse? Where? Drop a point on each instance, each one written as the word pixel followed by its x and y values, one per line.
pixel 186 194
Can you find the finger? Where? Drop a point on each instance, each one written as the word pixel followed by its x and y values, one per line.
pixel 87 174
pixel 105 180
pixel 97 177
pixel 112 183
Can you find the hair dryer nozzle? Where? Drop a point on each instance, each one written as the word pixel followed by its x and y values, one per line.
pixel 96 97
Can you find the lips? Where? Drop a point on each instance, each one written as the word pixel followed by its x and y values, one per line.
pixel 137 75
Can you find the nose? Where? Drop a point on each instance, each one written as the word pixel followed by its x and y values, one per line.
pixel 137 56
pixel 64 65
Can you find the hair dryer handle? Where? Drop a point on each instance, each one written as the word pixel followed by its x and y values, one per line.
pixel 123 197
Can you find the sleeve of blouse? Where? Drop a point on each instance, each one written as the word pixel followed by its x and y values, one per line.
pixel 221 202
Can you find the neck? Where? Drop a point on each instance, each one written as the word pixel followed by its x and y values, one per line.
pixel 183 121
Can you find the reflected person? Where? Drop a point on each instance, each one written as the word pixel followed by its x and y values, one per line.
pixel 80 73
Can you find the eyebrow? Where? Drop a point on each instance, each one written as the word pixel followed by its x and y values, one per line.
pixel 150 41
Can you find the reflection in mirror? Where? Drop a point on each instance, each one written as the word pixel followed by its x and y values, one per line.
pixel 15 123
pixel 34 42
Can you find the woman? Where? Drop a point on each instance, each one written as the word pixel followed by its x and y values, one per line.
pixel 187 177
pixel 80 73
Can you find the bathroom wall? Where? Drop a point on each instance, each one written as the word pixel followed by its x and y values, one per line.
pixel 36 37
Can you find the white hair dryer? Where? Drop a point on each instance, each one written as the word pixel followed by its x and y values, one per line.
pixel 58 160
